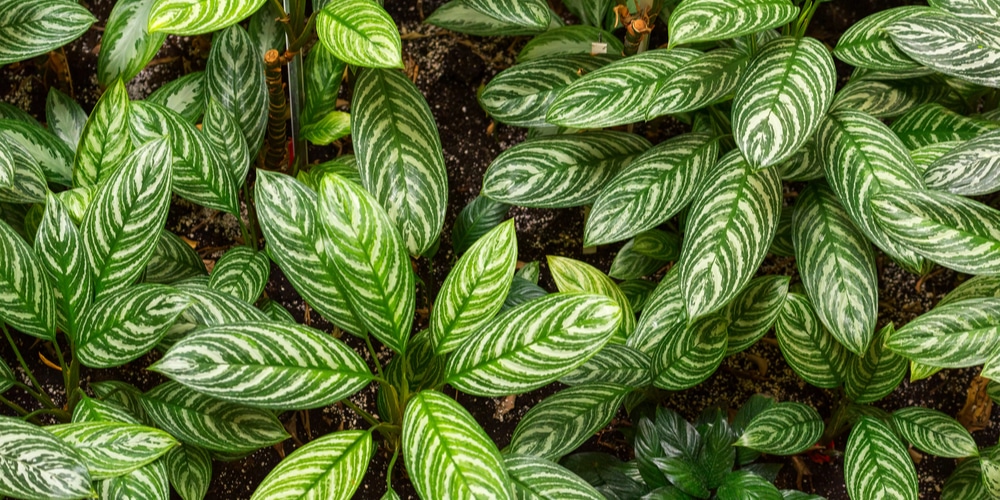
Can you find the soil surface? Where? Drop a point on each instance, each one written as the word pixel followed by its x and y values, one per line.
pixel 448 69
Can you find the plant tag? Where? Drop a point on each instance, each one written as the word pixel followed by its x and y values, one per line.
pixel 598 48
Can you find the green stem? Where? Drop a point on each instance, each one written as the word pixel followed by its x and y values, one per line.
pixel 13 406
pixel 60 414
pixel 388 472
pixel 62 364
pixel 371 350
pixel 807 14
pixel 72 395
pixel 365 415
pixel 45 399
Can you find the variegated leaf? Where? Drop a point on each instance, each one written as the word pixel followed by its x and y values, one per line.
pixel 564 420
pixel 184 96
pixel 533 344
pixel 783 429
pixel 979 11
pixel 568 41
pixel 457 16
pixel 875 375
pixel 924 157
pixel 7 166
pixel 782 244
pixel 34 464
pixel 124 395
pixel 105 142
pixel 746 485
pixel 11 112
pixel 113 449
pixel 242 273
pixel 960 334
pixel 934 432
pixel 888 99
pixel 51 153
pixel 613 364
pixel 360 32
pixel 560 171
pixel 876 464
pixel 521 291
pixel 867 44
pixel 195 17
pixel 127 45
pixel 933 123
pixel 575 276
pixel 729 228
pixel 539 479
pixel 147 483
pixel 807 346
pixel 950 45
pixel 77 201
pixel 664 310
pixel 201 420
pixel 125 218
pixel 209 307
pixel 965 482
pixel 28 29
pixel 780 100
pixel 234 77
pixel 59 247
pixel 223 133
pixel 629 264
pixel 369 254
pixel 330 467
pixel 690 353
pixel 475 288
pixel 276 311
pixel 531 14
pixel 94 410
pixel 707 20
pixel 971 169
pixel 638 292
pixel 710 78
pixel 651 189
pixel 752 313
pixel 324 74
pixel 189 470
pixel 173 260
pixel 7 377
pixel 658 244
pixel 266 30
pixel 479 217
pixel 804 165
pixel 26 298
pixel 27 179
pixel 448 455
pixel 64 117
pixel 975 287
pixel 345 166
pixel 399 154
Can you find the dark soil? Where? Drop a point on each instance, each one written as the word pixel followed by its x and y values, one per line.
pixel 449 68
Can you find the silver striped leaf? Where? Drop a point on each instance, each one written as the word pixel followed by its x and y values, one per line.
pixel 94 410
pixel 711 78
pixel 123 395
pixel 126 324
pixel 690 353
pixel 26 298
pixel 638 292
pixel 479 217
pixel 876 464
pixel 195 17
pixel 51 153
pixel 127 45
pixel 209 307
pixel 977 11
pixel 105 143
pixel 266 364
pixel 209 423
pixel 729 228
pixel 949 229
pixel 950 45
pixel 7 166
pixel 753 312
pixel 59 247
pixel 934 432
pixel 804 165
pixel 533 344
pixel 77 201
pixel 7 377
pixel 560 171
pixel 574 276
pixel 112 449
pixel 123 222
pixel 327 128
pixel 971 169
pixel 875 375
pixel 37 465
pixel 198 172
pixel 531 271
pixel 837 266
pixel 629 264
pixel 147 483
pixel 266 30
pixel 613 364
pixel 173 260
pixel 447 453
pixel 290 224
pixel 475 288
pixel 658 244
pixel 965 482
pixel 976 287
pixel 185 96
pixel 539 479
pixel 28 29
pixel 64 117
pixel 345 166
pixel 651 189
pixel 530 14
pixel 223 133
pixel 276 311
pixel 618 93
pixel 324 75
pixel 241 272
pixel 330 467
pixel 664 310
pixel 521 291
pixel 862 157
pixel 919 371
pixel 399 154
pixel 360 33
pixel 521 95
pixel 779 102
pixel 27 179
pixel 783 429
pixel 807 346
pixel 11 112
pixel 568 41
pixel 456 16
pixel 189 470
pixel 990 470
pixel 933 123
pixel 234 77
pixel 868 45
pixel 368 252
pixel 563 421
pixel 708 20
pixel 957 335
pixel 888 99
pixel 924 157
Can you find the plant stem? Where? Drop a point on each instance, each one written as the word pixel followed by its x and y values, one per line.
pixel 296 83
pixel 371 350
pixel 275 142
pixel 44 399
pixel 388 471
pixel 62 364
pixel 365 415
pixel 14 406
pixel 807 13
pixel 60 414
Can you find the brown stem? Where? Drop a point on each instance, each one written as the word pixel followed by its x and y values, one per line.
pixel 275 149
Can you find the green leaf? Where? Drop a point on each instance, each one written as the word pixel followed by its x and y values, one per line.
pixel 26 179
pixel 7 377
pixel 785 92
pixel 567 41
pixel 949 229
pixel 51 153
pixel 933 123
pixel 783 429
pixel 752 313
pixel 876 463
pixel 198 172
pixel 266 365
pixel 234 77
pixel 782 244
pixel 654 187
pixel 59 246
pixel 399 154
pixel 475 288
pixel 657 244
pixel 189 470
pixel 629 264
pixel 242 273
pixel 710 78
pixel 533 14
pixel 975 287
pixel 447 454
pixel 223 133
pixel 934 432
pixel 457 16
pixel 618 93
pixel 479 217
pixel 950 45
pixel 613 364
pixel 990 470
pixel 539 479
pixel 521 291
pixel 34 464
pixel 744 485
pixel 708 20
pixel 125 396
pixel 361 33
pixel 148 483
pixel 291 226
pixel 345 166
pixel 95 410
pixel 965 482
pixel 184 96
pixel 195 17
pixel 201 420
pixel 125 218
pixel 867 44
pixel 330 467
pixel 560 171
pixel 28 29
pixel 957 335
pixel 862 157
pixel 807 345
pixel 127 45
pixel 887 99
pixel 804 165
pixel 105 143
pixel 978 11
pixel 26 297
pixel 574 276
pixel 376 278
pixel 64 117
pixel 690 353
pixel 638 292
pixel 267 33
pixel 324 74
pixel 209 307
pixel 971 169
pixel 719 255
pixel 875 375
pixel 664 310
pixel 327 128
pixel 113 449
pixel 276 311
pixel 533 344
pixel 173 260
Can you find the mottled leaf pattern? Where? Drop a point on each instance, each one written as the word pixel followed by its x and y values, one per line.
pixel 629 264
pixel 950 45
pixel 194 17
pixel 574 276
pixel 112 448
pixel 105 142
pixel 876 464
pixel 664 310
pixel 459 17
pixel 537 478
pixel 234 77
pixel 64 117
pixel 783 429
pixel 360 32
pixel 27 301
pixel 752 313
pixel 242 273
pixel 568 41
pixel 887 99
pixel 613 364
pixel 173 260
pixel 971 169
pixel 707 20
pixel 807 346
pixel 127 45
pixel 51 153
pixel 933 123
pixel 690 353
pixel 189 470
pixel 710 78
pixel 957 335
pixel 873 376
pixel 527 13
pixel 147 483
pixel 223 133
pixel 934 432
pixel 867 44
pixel 28 29
pixel 330 467
pixel 184 96
pixel 35 464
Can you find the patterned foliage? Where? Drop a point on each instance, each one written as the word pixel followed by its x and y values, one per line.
pixel 951 46
pixel 690 353
pixel 223 133
pixel 173 260
pixel 969 169
pixel 59 247
pixel 807 346
pixel 526 13
pixel 973 288
pixel 752 313
pixel 234 77
pixel 960 334
pixel 477 218
pixel 64 117
pixel 113 449
pixel 189 470
pixel 361 33
pixel 933 123
pixel 876 463
pixel 707 20
pixel 324 74
pixel 104 144
pixel 934 432
pixel 148 483
pixel 51 153
pixel 540 479
pixel 459 17
pixel 783 429
pixel 194 17
pixel 26 179
pixel 242 273
pixel 888 99
pixel 708 79
pixel 127 45
pixel 867 44
pixel 28 29
pixel 38 465
pixel 629 264
pixel 330 467
pixel 613 364
pixel 26 297
pixel 664 310
pixel 185 96
pixel 568 41
pixel 873 376
pixel 575 276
